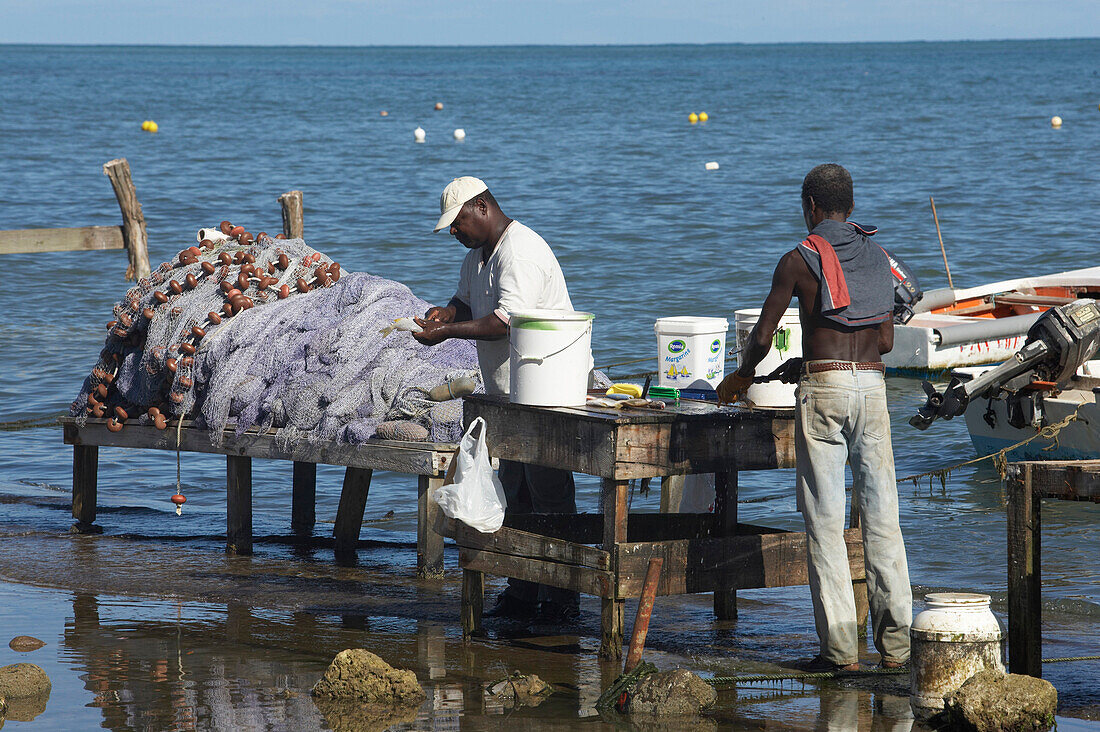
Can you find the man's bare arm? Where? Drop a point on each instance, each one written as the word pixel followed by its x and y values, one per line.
pixel 775 305
pixel 489 328
pixel 886 337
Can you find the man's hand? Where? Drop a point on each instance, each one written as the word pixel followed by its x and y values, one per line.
pixel 440 315
pixel 434 331
pixel 733 387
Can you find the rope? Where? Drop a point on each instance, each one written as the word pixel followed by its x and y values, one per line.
pixel 1071 658
pixel 33 423
pixel 1000 458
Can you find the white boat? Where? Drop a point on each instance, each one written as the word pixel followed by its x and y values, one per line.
pixel 993 428
pixel 981 325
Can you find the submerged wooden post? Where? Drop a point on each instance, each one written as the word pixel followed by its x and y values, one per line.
pixel 303 500
pixel 238 504
pixel 859 586
pixel 725 510
pixel 614 507
pixel 1025 610
pixel 473 600
pixel 291 201
pixel 133 220
pixel 349 514
pixel 85 482
pixel 429 544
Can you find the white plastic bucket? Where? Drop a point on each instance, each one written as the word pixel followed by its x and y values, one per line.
pixel 551 357
pixel 786 344
pixel 691 352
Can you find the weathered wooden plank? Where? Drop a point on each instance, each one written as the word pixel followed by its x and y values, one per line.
pixel 737 562
pixel 349 514
pixel 473 600
pixel 1070 480
pixel 571 577
pixel 514 542
pixel 238 505
pixel 1025 609
pixel 725 513
pixel 291 205
pixel 303 500
pixel 429 543
pixel 85 238
pixel 134 236
pixel 85 486
pixel 611 628
pixel 587 528
pixel 380 455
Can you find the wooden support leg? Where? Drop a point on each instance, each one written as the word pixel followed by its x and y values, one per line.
pixel 859 586
pixel 672 493
pixel 473 600
pixel 1025 650
pixel 303 502
pixel 349 515
pixel 614 508
pixel 238 505
pixel 85 484
pixel 429 544
pixel 725 510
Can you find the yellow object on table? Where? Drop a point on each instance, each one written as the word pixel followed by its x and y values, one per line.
pixel 631 389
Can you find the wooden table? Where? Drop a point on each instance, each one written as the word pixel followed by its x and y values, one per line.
pixel 427 460
pixel 1028 483
pixel 701 552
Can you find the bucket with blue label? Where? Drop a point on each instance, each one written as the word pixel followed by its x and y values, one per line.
pixel 691 352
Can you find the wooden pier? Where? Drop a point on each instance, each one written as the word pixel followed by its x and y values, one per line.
pixel 1027 485
pixel 701 552
pixel 427 460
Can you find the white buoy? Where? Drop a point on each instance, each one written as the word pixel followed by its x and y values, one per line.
pixel 460 134
pixel 1055 121
pixel 712 165
pixel 419 134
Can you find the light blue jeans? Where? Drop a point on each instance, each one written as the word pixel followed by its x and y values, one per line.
pixel 842 416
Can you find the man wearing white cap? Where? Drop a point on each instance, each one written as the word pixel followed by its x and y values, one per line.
pixel 508 268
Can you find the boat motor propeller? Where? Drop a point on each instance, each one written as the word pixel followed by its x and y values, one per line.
pixel 1057 344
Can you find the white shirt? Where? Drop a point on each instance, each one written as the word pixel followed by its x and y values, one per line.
pixel 521 274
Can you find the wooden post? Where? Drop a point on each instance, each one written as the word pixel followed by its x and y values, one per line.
pixel 672 493
pixel 85 483
pixel 238 505
pixel 291 202
pixel 429 544
pixel 725 510
pixel 859 586
pixel 303 501
pixel 473 600
pixel 1025 650
pixel 349 515
pixel 614 508
pixel 133 220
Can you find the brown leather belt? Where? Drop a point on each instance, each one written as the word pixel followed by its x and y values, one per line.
pixel 816 368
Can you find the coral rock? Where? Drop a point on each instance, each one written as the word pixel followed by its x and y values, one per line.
pixel 358 674
pixel 992 700
pixel 671 694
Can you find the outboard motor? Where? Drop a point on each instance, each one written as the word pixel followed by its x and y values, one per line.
pixel 1057 344
pixel 907 291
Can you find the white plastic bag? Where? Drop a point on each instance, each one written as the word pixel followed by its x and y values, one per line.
pixel 476 497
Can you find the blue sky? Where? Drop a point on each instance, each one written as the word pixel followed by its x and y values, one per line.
pixel 491 22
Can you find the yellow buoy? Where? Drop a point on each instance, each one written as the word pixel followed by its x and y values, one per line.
pixel 703 117
pixel 153 126
pixel 1055 121
pixel 145 125
pixel 693 118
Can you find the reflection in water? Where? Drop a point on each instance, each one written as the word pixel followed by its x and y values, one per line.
pixel 159 665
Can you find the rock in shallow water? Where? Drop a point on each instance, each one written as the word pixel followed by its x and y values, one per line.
pixel 23 680
pixel 671 694
pixel 358 674
pixel 519 690
pixel 992 701
pixel 25 643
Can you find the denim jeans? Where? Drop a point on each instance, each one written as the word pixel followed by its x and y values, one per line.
pixel 842 415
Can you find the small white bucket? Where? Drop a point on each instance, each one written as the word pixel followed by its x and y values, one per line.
pixel 786 344
pixel 551 357
pixel 691 352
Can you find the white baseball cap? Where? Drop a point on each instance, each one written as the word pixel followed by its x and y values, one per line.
pixel 455 196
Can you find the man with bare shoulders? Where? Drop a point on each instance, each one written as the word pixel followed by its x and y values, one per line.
pixel 845 295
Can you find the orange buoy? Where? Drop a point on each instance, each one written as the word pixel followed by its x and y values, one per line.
pixel 179 500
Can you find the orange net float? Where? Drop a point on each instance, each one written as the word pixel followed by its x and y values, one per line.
pixel 179 500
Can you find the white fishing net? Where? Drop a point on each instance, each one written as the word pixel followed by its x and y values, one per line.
pixel 299 350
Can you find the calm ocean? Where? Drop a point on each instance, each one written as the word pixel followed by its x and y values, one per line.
pixel 591 147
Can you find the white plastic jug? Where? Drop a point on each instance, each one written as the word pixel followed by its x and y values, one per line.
pixel 551 357
pixel 691 352
pixel 786 344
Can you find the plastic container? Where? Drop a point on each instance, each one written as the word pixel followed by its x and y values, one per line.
pixel 551 357
pixel 691 352
pixel 786 344
pixel 955 638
